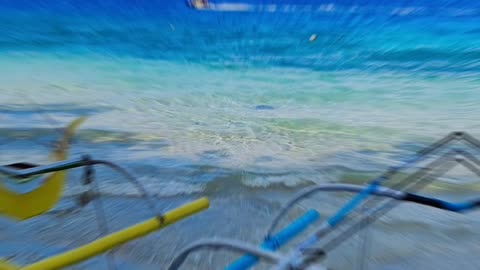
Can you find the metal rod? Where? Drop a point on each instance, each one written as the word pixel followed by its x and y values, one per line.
pixel 42 169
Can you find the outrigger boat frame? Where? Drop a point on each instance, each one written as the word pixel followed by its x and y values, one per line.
pixel 16 172
pixel 307 255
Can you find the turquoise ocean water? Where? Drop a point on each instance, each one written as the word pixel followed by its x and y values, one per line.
pixel 240 105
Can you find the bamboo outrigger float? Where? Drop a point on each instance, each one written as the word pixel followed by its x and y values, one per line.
pixel 23 206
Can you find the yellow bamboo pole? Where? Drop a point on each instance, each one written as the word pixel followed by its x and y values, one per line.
pixel 113 240
pixel 4 265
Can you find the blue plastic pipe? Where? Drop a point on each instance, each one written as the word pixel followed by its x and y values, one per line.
pixel 276 241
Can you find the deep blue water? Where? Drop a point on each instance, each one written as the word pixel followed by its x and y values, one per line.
pixel 373 36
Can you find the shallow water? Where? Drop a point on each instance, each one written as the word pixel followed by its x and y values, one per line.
pixel 240 106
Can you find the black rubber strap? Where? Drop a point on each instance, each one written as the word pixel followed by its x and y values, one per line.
pixel 424 200
pixel 21 165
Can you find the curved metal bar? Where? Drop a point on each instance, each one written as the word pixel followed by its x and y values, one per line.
pixel 82 162
pixel 362 196
pixel 228 244
pixel 144 193
pixel 304 250
pixel 328 226
pixel 380 191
